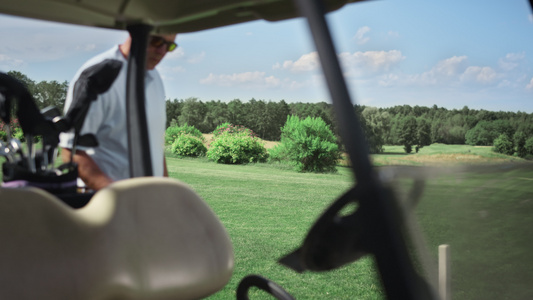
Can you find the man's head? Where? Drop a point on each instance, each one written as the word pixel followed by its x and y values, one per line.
pixel 158 46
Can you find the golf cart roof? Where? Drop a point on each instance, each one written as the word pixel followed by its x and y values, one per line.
pixel 165 16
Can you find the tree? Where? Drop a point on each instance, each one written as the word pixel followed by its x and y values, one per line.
pixel 45 93
pixel 519 139
pixel 504 145
pixel 173 109
pixel 529 146
pixel 236 112
pixel 423 135
pixel 375 126
pixel 30 84
pixel 408 133
pixel 484 133
pixel 50 93
pixel 216 114
pixel 193 113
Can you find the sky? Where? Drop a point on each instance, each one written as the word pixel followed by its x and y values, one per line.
pixel 454 53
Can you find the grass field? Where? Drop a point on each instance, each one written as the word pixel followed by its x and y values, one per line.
pixel 478 202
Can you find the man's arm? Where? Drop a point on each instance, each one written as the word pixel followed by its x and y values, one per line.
pixel 88 170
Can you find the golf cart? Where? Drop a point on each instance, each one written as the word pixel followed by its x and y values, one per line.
pixel 59 244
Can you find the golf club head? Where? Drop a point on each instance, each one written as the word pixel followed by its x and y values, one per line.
pixel 16 147
pixel 50 113
pixel 6 152
pixel 88 140
pixel 93 81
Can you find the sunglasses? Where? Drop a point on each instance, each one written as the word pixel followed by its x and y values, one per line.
pixel 157 41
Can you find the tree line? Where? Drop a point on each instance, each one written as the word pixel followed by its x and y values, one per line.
pixel 411 126
pixel 406 125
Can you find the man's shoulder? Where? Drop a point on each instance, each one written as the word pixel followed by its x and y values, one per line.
pixel 113 53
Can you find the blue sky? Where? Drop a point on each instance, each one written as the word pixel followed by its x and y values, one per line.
pixel 452 53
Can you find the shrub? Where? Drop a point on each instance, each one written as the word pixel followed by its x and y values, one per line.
pixel 503 144
pixel 173 132
pixel 19 134
pixel 308 144
pixel 237 148
pixel 188 145
pixel 231 129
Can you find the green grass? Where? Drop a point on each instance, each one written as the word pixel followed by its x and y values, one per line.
pixel 441 154
pixel 484 211
pixel 485 214
pixel 267 212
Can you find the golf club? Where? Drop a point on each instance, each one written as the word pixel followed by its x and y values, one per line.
pixel 6 152
pixel 16 147
pixel 49 151
pixel 31 153
pixel 93 81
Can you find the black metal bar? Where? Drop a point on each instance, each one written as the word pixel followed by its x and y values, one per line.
pixel 350 127
pixel 382 218
pixel 138 140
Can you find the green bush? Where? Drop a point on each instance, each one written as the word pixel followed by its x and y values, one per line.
pixel 308 144
pixel 19 134
pixel 188 145
pixel 231 129
pixel 237 148
pixel 503 144
pixel 172 133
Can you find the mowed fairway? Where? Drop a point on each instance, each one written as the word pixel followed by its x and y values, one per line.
pixel 267 212
pixel 484 212
pixel 478 202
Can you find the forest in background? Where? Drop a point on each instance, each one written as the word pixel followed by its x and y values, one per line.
pixel 399 125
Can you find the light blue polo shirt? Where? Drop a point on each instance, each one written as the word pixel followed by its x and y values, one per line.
pixel 107 120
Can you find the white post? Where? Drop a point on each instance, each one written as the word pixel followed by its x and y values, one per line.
pixel 444 272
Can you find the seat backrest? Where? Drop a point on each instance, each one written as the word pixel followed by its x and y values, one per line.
pixel 141 238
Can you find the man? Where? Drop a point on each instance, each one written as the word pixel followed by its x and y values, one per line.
pixel 100 166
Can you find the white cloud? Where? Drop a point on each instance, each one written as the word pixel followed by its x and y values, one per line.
pixel 196 58
pixel 360 37
pixel 393 34
pixel 483 75
pixel 511 61
pixel 259 80
pixel 530 85
pixel 450 67
pixel 307 62
pixel 447 70
pixel 254 79
pixel 9 61
pixel 370 62
pixel 355 64
pixel 176 54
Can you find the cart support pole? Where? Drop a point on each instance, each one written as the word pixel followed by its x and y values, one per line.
pixel 138 141
pixel 382 219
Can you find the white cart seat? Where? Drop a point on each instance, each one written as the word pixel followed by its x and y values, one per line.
pixel 141 238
